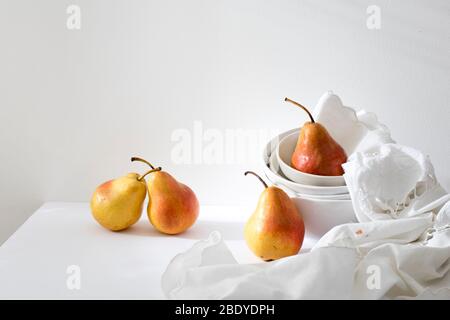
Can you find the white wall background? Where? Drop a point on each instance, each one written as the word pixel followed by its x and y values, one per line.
pixel 75 105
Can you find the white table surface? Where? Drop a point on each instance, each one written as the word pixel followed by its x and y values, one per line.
pixel 113 265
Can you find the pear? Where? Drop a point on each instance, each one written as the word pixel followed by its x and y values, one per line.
pixel 316 151
pixel 117 204
pixel 275 229
pixel 172 207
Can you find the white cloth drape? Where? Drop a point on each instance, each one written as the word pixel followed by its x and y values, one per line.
pixel 400 248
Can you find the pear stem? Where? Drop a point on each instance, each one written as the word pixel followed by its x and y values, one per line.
pixel 148 172
pixel 260 179
pixel 303 107
pixel 142 160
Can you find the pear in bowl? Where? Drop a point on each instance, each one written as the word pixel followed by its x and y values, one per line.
pixel 314 158
pixel 284 152
pixel 272 171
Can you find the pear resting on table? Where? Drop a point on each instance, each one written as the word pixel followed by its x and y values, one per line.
pixel 275 229
pixel 172 206
pixel 316 151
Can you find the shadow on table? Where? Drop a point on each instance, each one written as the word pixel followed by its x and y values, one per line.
pixel 202 229
pixel 199 231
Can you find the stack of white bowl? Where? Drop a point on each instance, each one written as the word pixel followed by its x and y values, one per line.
pixel 323 201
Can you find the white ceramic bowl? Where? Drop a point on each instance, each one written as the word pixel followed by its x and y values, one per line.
pixel 296 189
pixel 284 151
pixel 321 216
pixel 322 207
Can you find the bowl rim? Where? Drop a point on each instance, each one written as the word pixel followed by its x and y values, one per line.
pixel 291 184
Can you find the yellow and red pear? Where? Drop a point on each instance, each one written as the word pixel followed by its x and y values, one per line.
pixel 316 152
pixel 117 204
pixel 275 229
pixel 172 206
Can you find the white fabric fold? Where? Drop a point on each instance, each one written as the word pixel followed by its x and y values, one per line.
pixel 392 182
pixel 290 278
pixel 414 263
pixel 356 131
pixel 368 235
